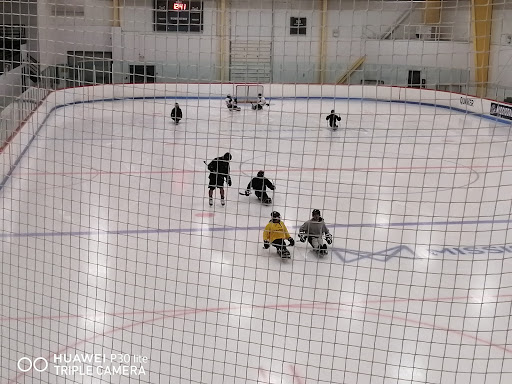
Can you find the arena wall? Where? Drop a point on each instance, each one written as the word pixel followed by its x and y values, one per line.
pixel 352 31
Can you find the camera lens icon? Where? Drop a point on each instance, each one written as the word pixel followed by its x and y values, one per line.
pixel 39 364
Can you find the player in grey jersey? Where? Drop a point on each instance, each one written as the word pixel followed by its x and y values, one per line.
pixel 313 231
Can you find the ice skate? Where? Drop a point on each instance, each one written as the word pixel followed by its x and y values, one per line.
pixel 323 250
pixel 210 201
pixel 222 202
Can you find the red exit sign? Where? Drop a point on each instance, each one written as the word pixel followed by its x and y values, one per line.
pixel 179 7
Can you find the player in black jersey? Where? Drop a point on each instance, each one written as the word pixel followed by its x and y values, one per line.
pixel 260 184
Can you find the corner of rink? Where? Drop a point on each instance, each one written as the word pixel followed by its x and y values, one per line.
pixel 20 122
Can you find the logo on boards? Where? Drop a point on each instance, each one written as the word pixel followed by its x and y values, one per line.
pixel 467 101
pixel 501 110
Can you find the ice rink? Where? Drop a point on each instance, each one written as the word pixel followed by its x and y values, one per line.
pixel 109 246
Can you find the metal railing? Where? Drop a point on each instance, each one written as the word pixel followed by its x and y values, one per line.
pixel 19 110
pixel 441 32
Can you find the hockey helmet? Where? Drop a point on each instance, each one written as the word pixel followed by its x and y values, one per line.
pixel 176 104
pixel 275 215
pixel 227 156
pixel 261 173
pixel 259 94
pixel 316 212
pixel 332 110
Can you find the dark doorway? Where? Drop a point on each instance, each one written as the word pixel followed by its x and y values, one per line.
pixel 142 73
pixel 414 79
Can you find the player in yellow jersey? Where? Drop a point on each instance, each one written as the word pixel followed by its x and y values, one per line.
pixel 276 233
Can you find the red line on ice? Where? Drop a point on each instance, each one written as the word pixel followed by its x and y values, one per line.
pixel 178 171
pixel 299 305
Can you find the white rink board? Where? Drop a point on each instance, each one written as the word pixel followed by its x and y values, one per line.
pixel 382 93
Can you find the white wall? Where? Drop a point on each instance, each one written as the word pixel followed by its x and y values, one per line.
pixel 185 55
pixel 501 49
pixel 60 34
pixel 354 23
pixel 457 14
pixel 295 58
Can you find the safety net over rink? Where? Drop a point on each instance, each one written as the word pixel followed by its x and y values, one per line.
pixel 235 191
pixel 115 267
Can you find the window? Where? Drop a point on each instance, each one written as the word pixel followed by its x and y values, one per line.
pixel 142 73
pixel 297 25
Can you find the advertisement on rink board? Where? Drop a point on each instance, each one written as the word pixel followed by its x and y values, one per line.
pixel 501 110
pixel 467 101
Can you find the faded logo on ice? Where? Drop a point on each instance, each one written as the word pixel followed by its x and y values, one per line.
pixel 407 252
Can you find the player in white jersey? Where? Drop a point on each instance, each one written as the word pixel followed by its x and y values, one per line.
pixel 260 102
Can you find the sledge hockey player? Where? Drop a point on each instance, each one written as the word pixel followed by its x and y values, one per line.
pixel 176 113
pixel 232 103
pixel 313 231
pixel 219 172
pixel 276 233
pixel 260 184
pixel 260 103
pixel 333 117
